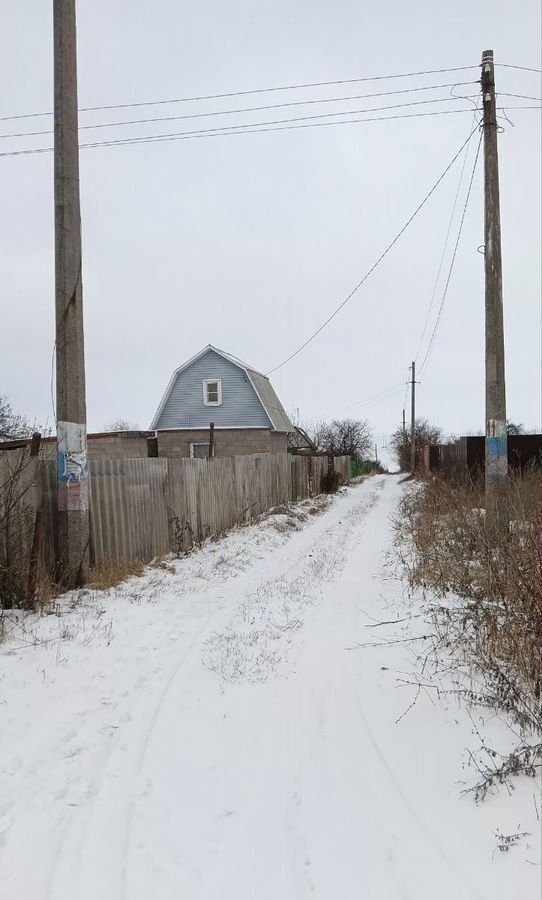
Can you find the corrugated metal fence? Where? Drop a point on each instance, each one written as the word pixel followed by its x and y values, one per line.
pixel 467 454
pixel 143 508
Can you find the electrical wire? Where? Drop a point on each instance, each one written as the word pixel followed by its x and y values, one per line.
pixel 519 68
pixel 519 96
pixel 245 109
pixel 378 261
pixel 344 112
pixel 244 93
pixel 452 263
pixel 375 398
pixel 443 254
pixel 228 131
pixel 406 393
pixel 257 127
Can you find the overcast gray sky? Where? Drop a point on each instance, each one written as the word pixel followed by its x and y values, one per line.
pixel 249 242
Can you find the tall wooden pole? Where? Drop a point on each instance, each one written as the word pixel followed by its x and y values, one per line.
pixel 211 440
pixel 413 421
pixel 72 468
pixel 496 452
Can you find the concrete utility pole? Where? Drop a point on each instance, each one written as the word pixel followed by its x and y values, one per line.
pixel 496 456
pixel 71 421
pixel 413 422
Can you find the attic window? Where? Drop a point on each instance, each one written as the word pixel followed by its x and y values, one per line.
pixel 212 392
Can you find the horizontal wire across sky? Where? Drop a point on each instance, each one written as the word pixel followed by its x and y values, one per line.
pixel 339 115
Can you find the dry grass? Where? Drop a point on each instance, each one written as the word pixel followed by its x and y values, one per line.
pixel 110 573
pixel 486 587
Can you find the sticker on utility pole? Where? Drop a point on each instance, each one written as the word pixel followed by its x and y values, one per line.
pixel 72 467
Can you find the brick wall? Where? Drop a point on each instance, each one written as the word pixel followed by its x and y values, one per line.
pixel 172 444
pixel 113 445
pixel 279 442
pixel 228 442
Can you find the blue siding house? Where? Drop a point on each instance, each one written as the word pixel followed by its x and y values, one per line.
pixel 216 387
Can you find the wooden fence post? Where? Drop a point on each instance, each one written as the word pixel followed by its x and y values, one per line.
pixel 211 440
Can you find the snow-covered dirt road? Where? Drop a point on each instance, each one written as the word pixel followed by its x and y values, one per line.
pixel 214 730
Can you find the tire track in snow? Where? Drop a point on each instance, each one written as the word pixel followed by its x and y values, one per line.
pixel 80 829
pixel 249 647
pixel 417 818
pixel 83 817
pixel 229 859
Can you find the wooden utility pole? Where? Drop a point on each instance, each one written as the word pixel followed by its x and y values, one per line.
pixel 71 421
pixel 211 440
pixel 404 424
pixel 413 421
pixel 496 455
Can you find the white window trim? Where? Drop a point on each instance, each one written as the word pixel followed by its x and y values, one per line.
pixel 217 381
pixel 199 444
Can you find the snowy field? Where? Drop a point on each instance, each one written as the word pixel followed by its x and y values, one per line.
pixel 213 730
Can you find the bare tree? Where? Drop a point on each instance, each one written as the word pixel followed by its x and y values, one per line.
pixel 121 424
pixel 19 502
pixel 12 426
pixel 343 437
pixel 425 433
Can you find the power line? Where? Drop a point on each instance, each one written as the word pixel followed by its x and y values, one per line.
pixel 330 115
pixel 244 93
pixel 257 128
pixel 245 109
pixel 227 131
pixel 375 398
pixel 520 96
pixel 443 254
pixel 378 261
pixel 519 68
pixel 406 394
pixel 445 292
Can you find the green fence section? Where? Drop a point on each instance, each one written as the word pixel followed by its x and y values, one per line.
pixel 361 467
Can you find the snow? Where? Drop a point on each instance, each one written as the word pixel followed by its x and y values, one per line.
pixel 218 729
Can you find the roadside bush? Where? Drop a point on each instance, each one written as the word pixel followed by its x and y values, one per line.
pixel 489 583
pixel 18 482
pixel 365 467
pixel 331 482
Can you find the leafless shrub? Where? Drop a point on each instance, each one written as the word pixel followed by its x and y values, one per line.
pixel 110 573
pixel 487 582
pixel 24 582
pixel 331 482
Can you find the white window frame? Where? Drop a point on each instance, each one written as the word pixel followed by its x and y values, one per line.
pixel 199 444
pixel 217 381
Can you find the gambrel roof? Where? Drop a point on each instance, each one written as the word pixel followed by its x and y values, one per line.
pixel 261 384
